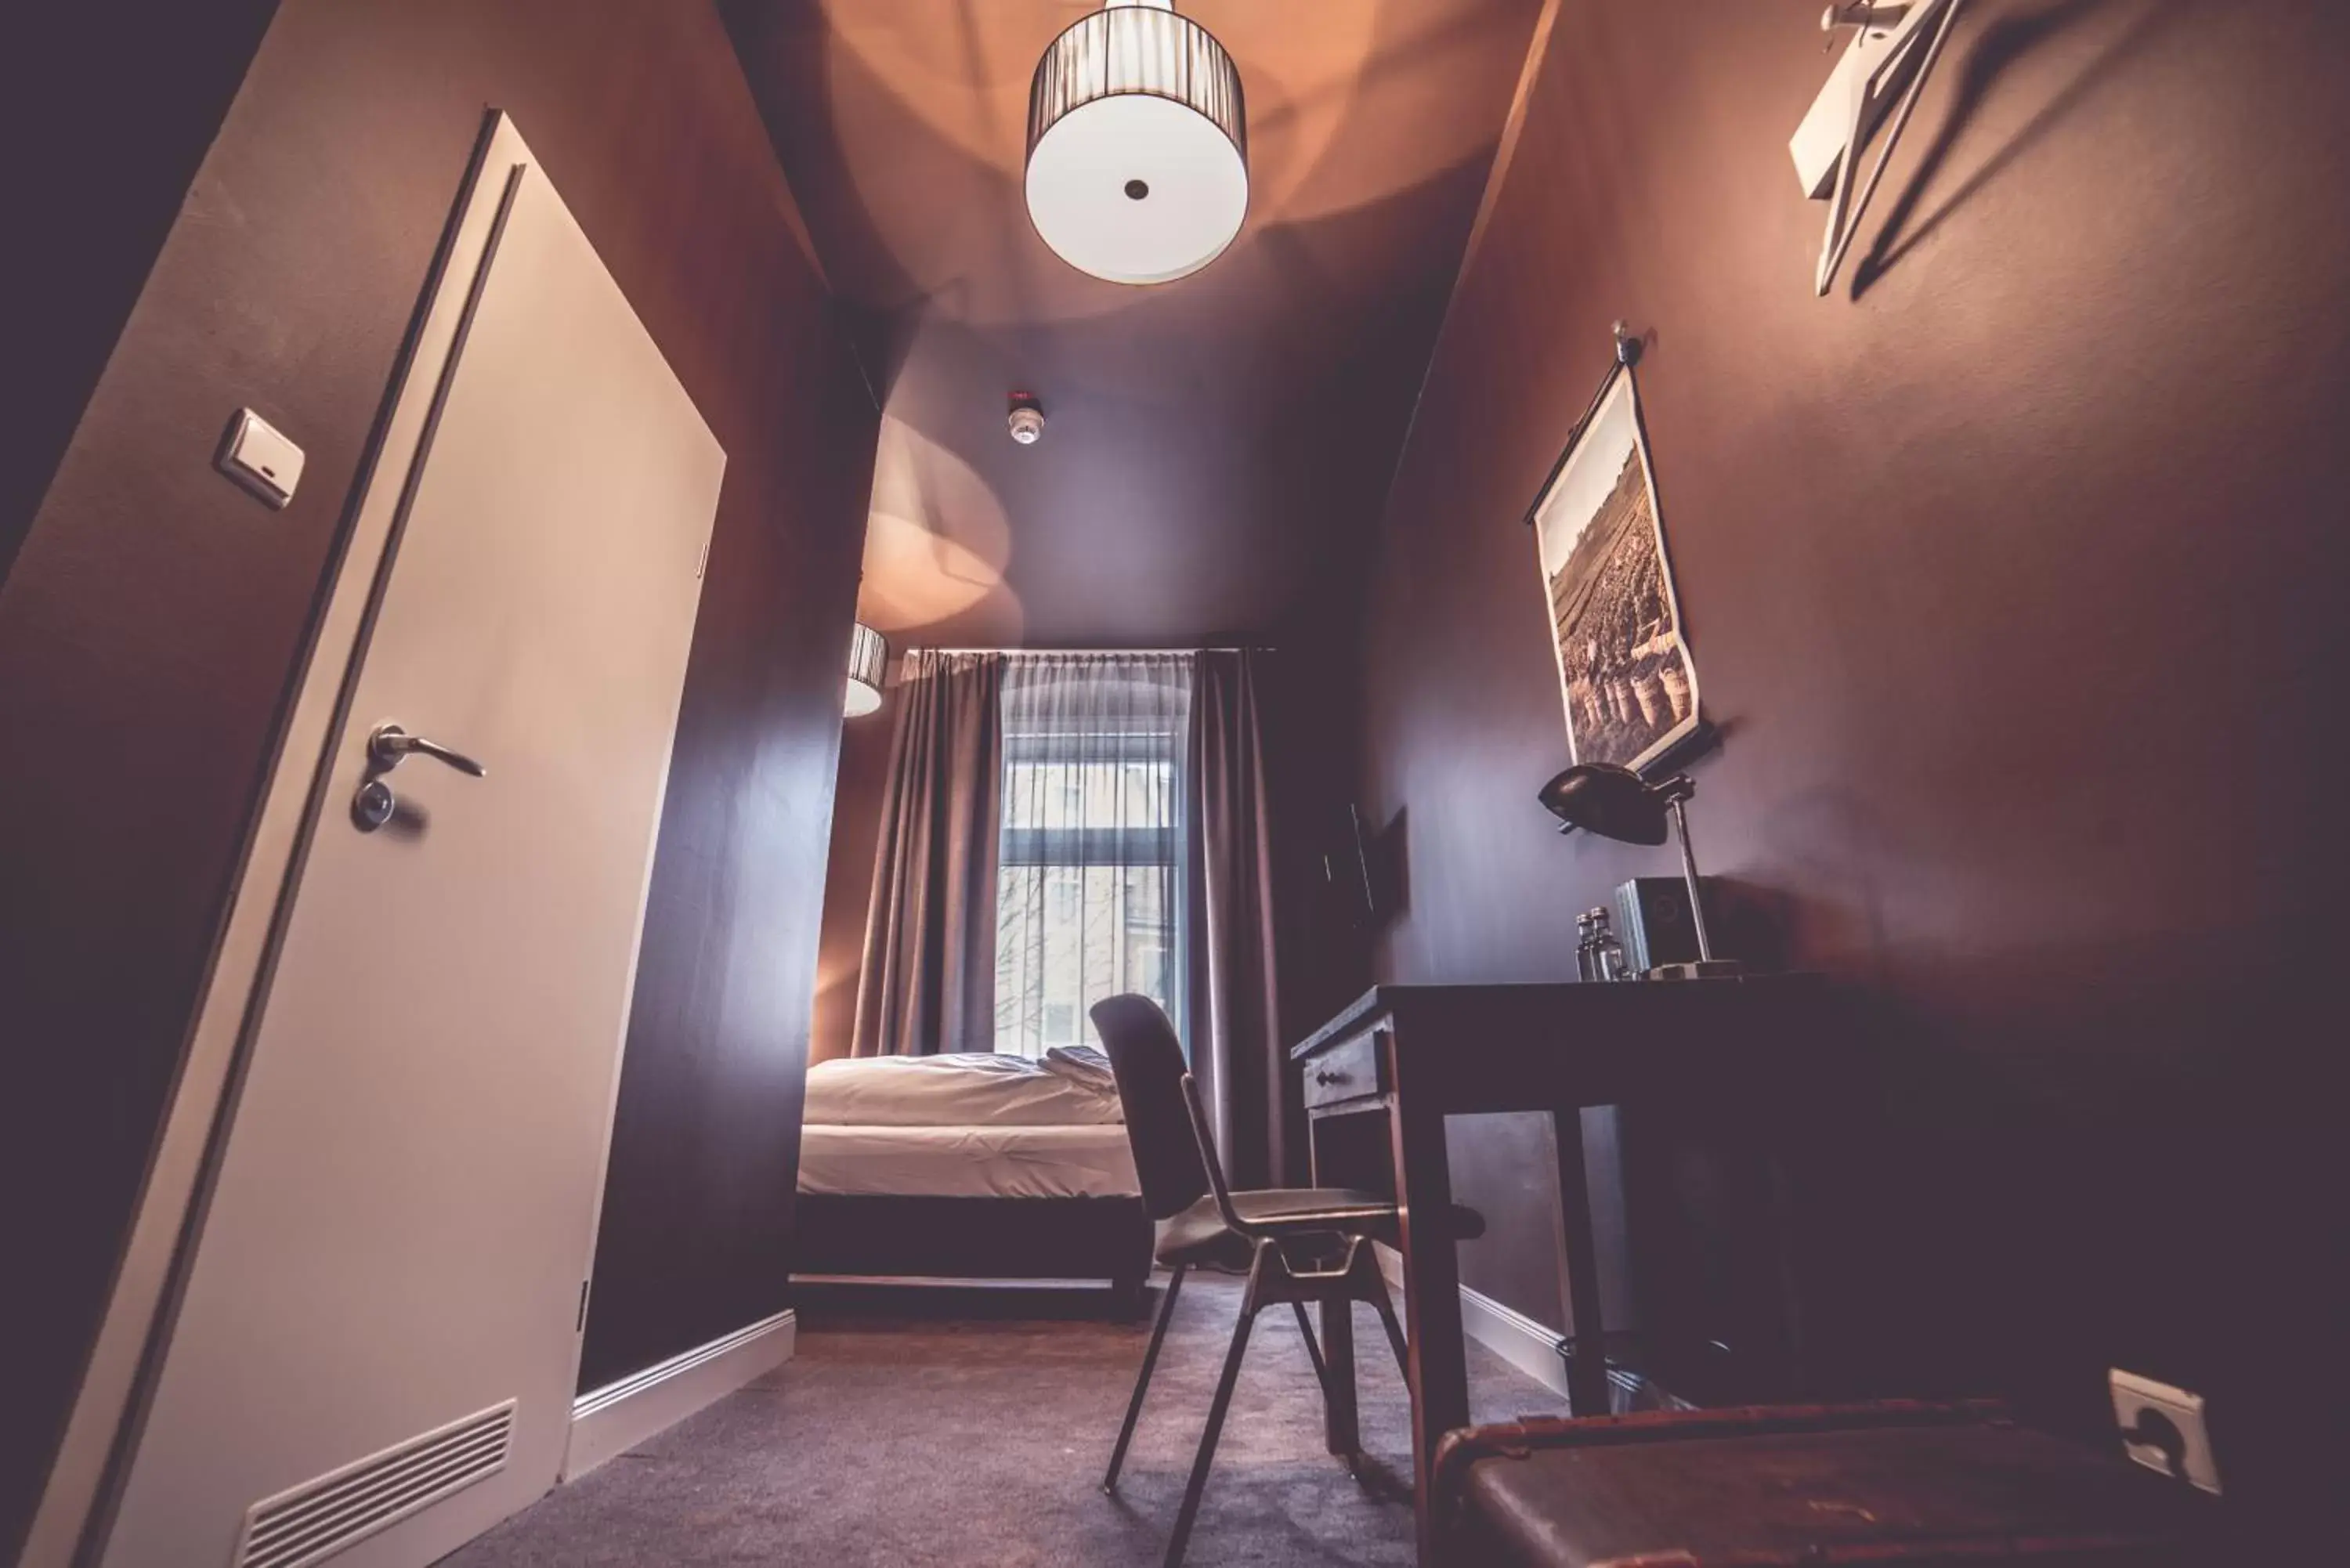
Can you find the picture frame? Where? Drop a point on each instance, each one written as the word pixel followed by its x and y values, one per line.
pixel 1628 682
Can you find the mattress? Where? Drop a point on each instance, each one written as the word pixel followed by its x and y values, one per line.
pixel 967 1161
pixel 962 1090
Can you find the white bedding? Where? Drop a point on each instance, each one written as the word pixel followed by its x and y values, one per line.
pixel 997 1161
pixel 963 1090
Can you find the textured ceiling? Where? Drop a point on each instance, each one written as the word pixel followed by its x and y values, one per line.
pixel 1218 447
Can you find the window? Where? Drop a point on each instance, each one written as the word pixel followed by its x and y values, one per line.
pixel 1089 879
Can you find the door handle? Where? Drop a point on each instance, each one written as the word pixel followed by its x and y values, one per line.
pixel 388 743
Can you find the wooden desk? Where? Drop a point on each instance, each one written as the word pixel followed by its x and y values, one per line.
pixel 1418 1053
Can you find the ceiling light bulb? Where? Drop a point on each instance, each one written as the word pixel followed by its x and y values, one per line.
pixel 1137 145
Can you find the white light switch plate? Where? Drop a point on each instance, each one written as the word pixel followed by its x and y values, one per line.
pixel 2134 1393
pixel 258 455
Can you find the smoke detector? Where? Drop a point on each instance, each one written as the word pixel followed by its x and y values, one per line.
pixel 1027 418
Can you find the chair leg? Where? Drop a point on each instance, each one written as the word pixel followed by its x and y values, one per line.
pixel 1142 1380
pixel 1313 1347
pixel 1341 1420
pixel 1334 1369
pixel 1377 1288
pixel 1190 1511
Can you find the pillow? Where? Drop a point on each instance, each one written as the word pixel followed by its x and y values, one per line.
pixel 1083 1064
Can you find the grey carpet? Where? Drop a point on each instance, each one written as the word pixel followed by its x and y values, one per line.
pixel 893 1440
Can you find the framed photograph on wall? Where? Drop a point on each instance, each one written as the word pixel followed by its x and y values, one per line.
pixel 1624 668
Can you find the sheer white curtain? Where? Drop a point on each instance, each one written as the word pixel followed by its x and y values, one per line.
pixel 1092 861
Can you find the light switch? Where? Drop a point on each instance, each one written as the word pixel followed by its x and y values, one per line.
pixel 258 455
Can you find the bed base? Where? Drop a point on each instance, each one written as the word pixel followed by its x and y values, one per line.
pixel 877 1239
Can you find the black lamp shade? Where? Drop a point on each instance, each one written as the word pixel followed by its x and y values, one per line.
pixel 1610 801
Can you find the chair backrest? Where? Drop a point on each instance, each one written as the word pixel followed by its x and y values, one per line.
pixel 1148 1060
pixel 1204 1141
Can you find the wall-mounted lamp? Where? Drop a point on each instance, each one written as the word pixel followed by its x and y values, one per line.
pixel 1617 803
pixel 868 656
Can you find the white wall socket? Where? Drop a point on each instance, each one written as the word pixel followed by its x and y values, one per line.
pixel 2134 1395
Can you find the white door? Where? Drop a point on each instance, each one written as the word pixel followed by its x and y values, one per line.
pixel 375 1355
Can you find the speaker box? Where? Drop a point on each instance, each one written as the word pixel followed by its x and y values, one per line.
pixel 1652 920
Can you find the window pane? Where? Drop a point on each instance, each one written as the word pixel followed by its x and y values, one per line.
pixel 1090 870
pixel 1066 937
pixel 1077 795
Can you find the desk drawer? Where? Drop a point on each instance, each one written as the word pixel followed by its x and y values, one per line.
pixel 1349 1070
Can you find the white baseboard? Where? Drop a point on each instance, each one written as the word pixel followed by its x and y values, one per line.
pixel 1529 1347
pixel 618 1416
pixel 1525 1345
pixel 1516 1338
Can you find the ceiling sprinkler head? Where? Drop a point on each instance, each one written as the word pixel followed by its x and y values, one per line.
pixel 1027 420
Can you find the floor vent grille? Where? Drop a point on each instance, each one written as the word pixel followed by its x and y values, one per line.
pixel 321 1517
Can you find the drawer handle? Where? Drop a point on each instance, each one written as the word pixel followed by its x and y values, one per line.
pixel 1325 1075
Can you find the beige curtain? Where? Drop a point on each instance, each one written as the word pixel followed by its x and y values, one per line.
pixel 928 983
pixel 1234 1007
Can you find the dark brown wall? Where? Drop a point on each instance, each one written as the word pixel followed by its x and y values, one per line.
pixel 105 110
pixel 849 877
pixel 150 627
pixel 2014 584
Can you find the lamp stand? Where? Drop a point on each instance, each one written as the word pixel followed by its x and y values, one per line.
pixel 1706 965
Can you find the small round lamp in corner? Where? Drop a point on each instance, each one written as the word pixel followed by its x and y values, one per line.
pixel 869 657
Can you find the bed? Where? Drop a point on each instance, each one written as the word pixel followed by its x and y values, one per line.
pixel 970 1168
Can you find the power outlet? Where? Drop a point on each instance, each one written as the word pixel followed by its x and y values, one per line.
pixel 2149 1413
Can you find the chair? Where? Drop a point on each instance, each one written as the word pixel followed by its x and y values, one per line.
pixel 1299 1245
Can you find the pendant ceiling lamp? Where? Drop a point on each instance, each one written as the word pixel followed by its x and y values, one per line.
pixel 1137 145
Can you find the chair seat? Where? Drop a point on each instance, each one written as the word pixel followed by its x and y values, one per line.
pixel 1199 1235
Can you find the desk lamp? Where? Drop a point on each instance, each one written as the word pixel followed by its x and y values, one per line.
pixel 1617 803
